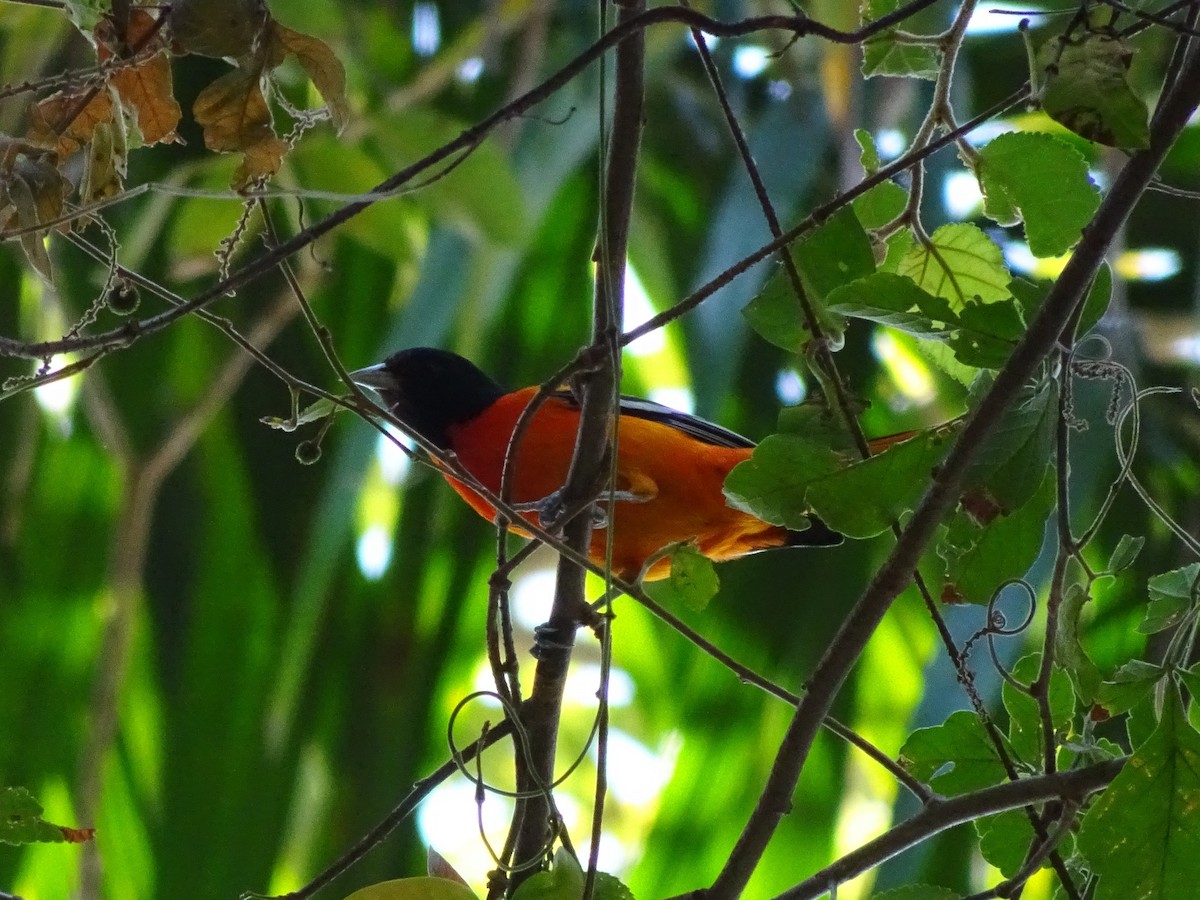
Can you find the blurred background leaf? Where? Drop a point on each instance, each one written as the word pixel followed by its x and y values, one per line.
pixel 282 663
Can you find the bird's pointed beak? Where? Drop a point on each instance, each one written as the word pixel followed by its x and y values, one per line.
pixel 375 377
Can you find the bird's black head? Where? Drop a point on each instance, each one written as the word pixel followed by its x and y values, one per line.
pixel 430 390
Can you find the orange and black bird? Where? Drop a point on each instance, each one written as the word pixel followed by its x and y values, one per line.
pixel 670 470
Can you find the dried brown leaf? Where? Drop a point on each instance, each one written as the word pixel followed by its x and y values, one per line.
pixel 65 121
pixel 141 31
pixel 147 94
pixel 323 67
pixel 33 192
pixel 107 156
pixel 235 117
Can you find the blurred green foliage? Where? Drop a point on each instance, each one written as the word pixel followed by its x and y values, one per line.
pixel 195 657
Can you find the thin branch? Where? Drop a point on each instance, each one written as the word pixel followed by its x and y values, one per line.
pixel 939 815
pixel 401 811
pixel 798 25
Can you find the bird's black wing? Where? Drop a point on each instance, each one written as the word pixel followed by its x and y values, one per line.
pixel 693 426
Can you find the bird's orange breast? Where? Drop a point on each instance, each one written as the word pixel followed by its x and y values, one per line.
pixel 678 481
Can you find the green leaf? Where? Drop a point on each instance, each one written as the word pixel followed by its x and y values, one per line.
pixel 1068 649
pixel 899 245
pixel 814 421
pixel 1191 680
pixel 1124 554
pixel 693 580
pixel 1014 170
pixel 1172 598
pixel 980 559
pixel 883 54
pixel 864 499
pixel 321 409
pixel 895 301
pixel 86 14
pixel 564 881
pixel 1142 836
pixel 1178 584
pixel 1087 90
pixel 1025 721
pixel 1012 463
pixel 960 743
pixel 772 483
pixel 961 264
pixel 869 157
pixel 1096 304
pixel 1142 720
pixel 21 819
pixel 423 887
pixel 834 254
pixel 1005 839
pixel 1130 684
pixel 918 892
pixel 989 333
pixel 880 204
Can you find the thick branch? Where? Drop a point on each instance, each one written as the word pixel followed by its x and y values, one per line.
pixel 589 468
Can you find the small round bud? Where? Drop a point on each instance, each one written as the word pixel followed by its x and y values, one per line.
pixel 123 298
pixel 308 452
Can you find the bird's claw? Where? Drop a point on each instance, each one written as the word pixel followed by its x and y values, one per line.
pixel 551 509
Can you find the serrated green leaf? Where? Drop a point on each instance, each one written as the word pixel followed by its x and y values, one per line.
pixel 869 157
pixel 86 14
pixel 884 54
pixel 880 204
pixel 21 819
pixel 988 334
pixel 981 559
pixel 1014 170
pixel 772 483
pixel 1191 680
pixel 693 580
pixel 1163 614
pixel 1011 465
pixel 814 421
pixel 961 263
pixel 1005 840
pixel 864 499
pixel 834 254
pixel 895 301
pixel 899 245
pixel 1142 836
pixel 1024 713
pixel 1172 598
pixel 1179 584
pixel 1087 90
pixel 961 743
pixel 1130 684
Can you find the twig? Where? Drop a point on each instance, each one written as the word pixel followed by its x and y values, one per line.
pixel 941 814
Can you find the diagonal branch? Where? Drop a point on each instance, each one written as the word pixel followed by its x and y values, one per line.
pixel 1180 101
